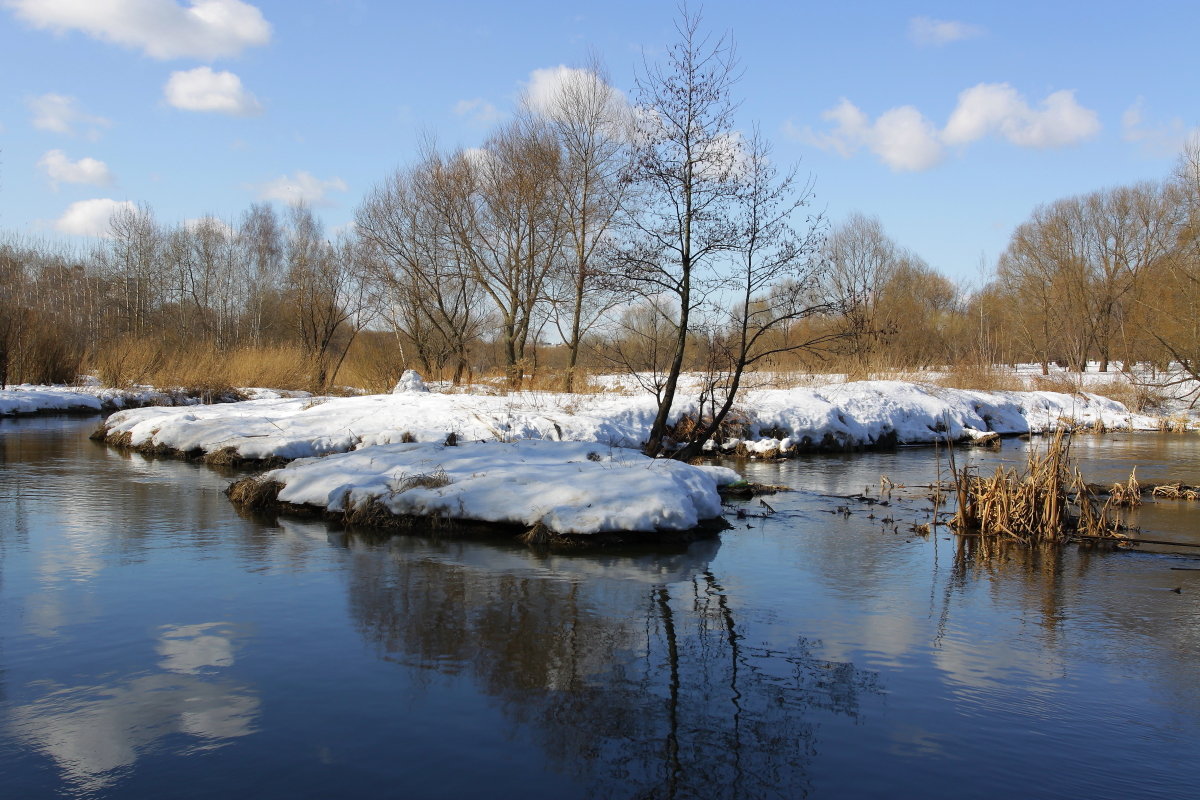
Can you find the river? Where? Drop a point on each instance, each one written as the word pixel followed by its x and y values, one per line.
pixel 154 643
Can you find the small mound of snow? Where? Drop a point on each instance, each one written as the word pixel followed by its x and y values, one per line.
pixel 410 381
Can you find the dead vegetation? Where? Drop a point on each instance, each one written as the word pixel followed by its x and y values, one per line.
pixel 255 493
pixel 1128 494
pixel 1176 491
pixel 1047 501
pixel 423 480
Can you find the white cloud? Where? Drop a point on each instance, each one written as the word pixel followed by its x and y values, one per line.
pixel 546 85
pixel 161 29
pixel 302 187
pixel 925 31
pixel 905 140
pixel 91 217
pixel 60 169
pixel 1157 139
pixel 61 114
pixel 479 110
pixel 201 89
pixel 220 226
pixel 902 137
pixel 999 108
pixel 479 158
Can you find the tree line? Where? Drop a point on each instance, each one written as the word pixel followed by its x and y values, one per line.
pixel 591 232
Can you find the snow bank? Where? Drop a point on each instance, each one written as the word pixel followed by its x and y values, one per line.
pixel 867 413
pixel 31 399
pixel 569 487
pixel 875 412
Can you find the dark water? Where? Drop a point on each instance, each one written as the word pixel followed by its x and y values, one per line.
pixel 155 644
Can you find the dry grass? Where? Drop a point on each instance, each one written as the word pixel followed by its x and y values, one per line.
pixel 423 480
pixel 1057 382
pixel 255 493
pixel 200 367
pixel 1179 423
pixel 1128 494
pixel 980 377
pixel 373 363
pixel 1049 501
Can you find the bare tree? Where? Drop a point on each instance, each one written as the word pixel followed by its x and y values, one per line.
pixel 429 294
pixel 590 122
pixel 260 235
pixel 686 169
pixel 774 282
pixel 505 216
pixel 134 261
pixel 861 259
pixel 327 297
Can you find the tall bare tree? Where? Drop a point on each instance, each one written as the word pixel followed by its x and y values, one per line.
pixel 591 123
pixel 686 165
pixel 774 282
pixel 508 227
pixel 429 294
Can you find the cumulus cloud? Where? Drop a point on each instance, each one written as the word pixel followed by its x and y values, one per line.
pixel 91 217
pixel 161 29
pixel 902 138
pixel 300 188
pixel 997 108
pixel 905 140
pixel 60 169
pixel 546 87
pixel 61 114
pixel 202 89
pixel 926 32
pixel 479 110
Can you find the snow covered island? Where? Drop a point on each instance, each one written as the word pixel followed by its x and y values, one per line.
pixel 544 491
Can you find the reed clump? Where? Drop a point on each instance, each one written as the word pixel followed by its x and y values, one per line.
pixel 1128 494
pixel 1047 501
pixel 1176 491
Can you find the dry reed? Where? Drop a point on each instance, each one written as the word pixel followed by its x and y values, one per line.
pixel 1128 494
pixel 1049 501
pixel 1176 491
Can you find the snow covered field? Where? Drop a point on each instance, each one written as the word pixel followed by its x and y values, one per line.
pixel 843 416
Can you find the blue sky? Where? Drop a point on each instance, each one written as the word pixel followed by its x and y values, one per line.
pixel 949 121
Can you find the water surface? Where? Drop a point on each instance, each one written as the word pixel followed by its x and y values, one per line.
pixel 155 643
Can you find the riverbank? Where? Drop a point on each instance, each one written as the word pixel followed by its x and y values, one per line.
pixel 768 422
pixel 27 399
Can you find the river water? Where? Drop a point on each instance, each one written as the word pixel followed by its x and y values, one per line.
pixel 154 643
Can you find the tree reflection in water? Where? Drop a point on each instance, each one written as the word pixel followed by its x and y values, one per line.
pixel 630 671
